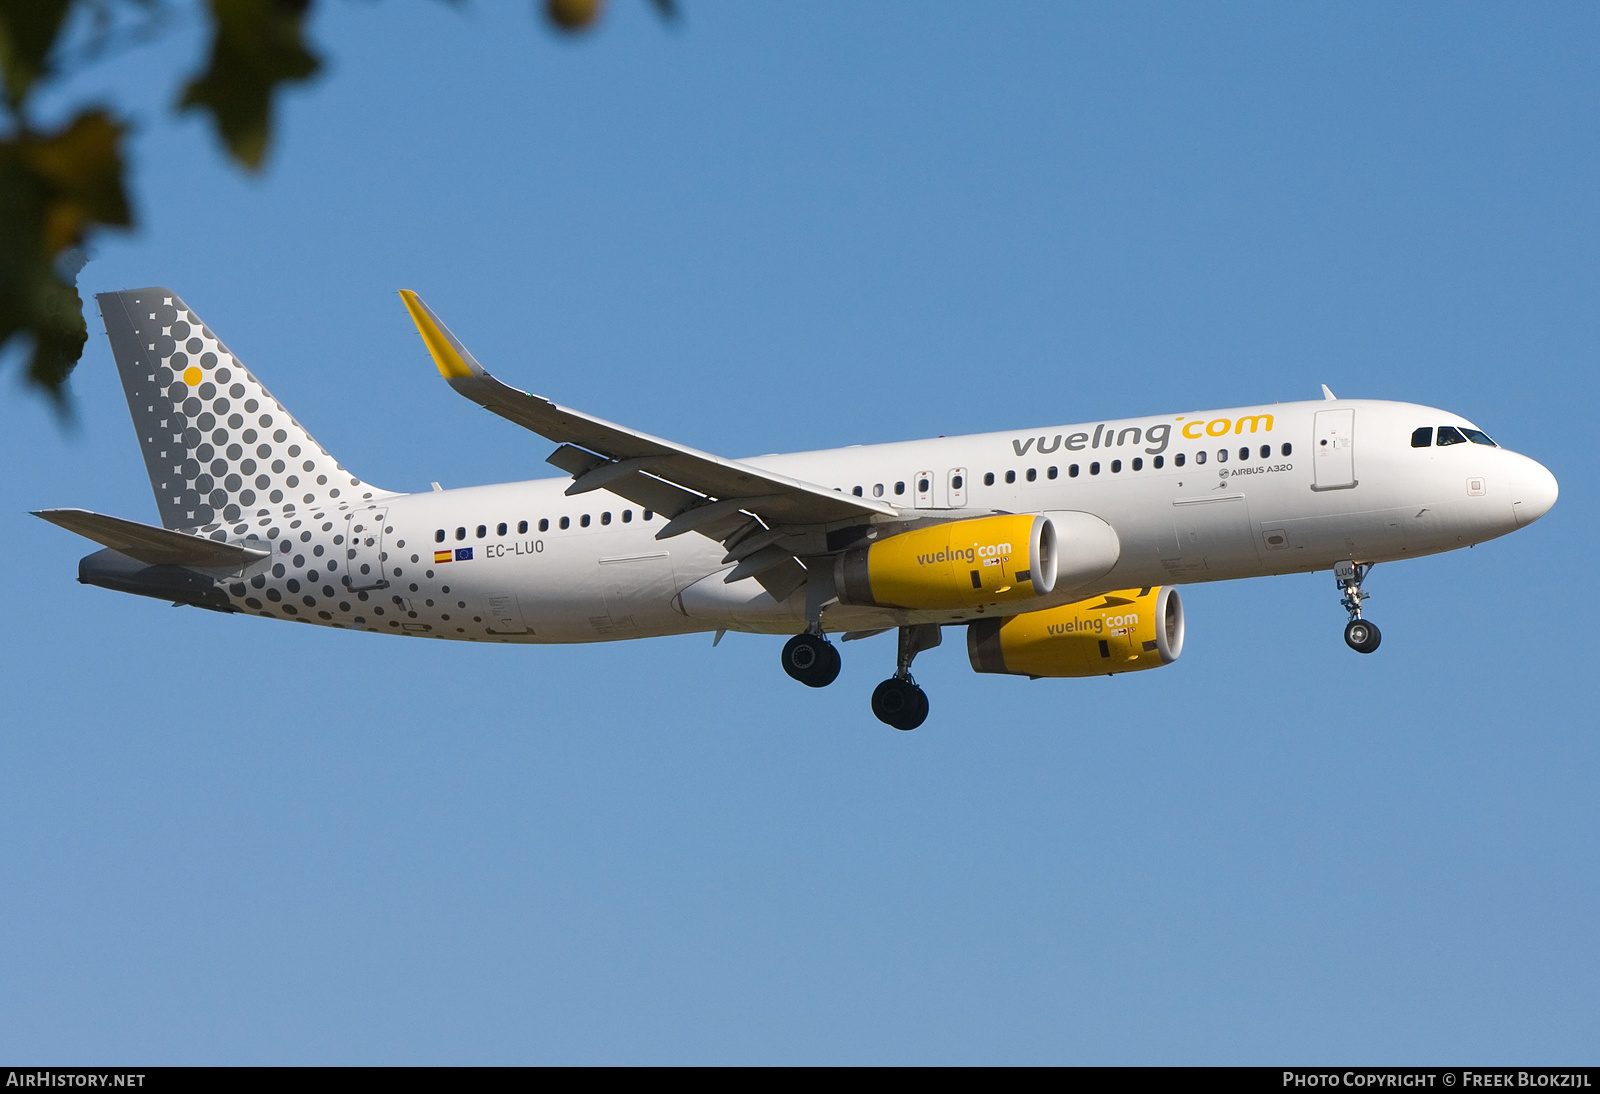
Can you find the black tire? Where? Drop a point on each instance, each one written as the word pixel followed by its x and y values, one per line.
pixel 1362 635
pixel 812 660
pixel 922 709
pixel 828 669
pixel 900 703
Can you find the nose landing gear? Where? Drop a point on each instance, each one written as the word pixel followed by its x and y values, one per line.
pixel 811 659
pixel 898 701
pixel 1360 634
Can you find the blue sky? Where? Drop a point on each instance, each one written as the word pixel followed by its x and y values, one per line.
pixel 774 228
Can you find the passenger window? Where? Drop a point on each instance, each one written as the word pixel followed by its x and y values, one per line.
pixel 1266 451
pixel 1287 448
pixel 1033 474
pixel 857 491
pixel 1177 461
pixel 1160 461
pixel 899 488
pixel 566 522
pixel 461 533
pixel 1094 468
pixel 605 518
pixel 522 526
pixel 1222 455
pixel 584 520
pixel 544 524
pixel 500 531
pixel 1116 466
pixel 923 486
pixel 627 516
pixel 1011 476
pixel 1138 464
pixel 438 537
pixel 956 482
pixel 648 515
pixel 877 490
pixel 1199 457
pixel 1072 471
pixel 1422 438
pixel 1449 434
pixel 482 531
pixel 988 478
pixel 1244 453
pixel 1050 473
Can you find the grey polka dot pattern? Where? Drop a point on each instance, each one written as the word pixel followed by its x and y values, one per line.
pixel 219 449
pixel 227 461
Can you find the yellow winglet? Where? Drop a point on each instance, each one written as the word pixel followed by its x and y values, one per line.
pixel 448 353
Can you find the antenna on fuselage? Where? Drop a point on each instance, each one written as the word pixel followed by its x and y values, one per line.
pixel 1328 395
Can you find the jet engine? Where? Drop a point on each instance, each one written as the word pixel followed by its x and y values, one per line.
pixel 1123 631
pixel 959 564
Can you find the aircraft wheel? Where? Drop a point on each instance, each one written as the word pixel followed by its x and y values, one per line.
pixel 1362 636
pixel 900 703
pixel 812 660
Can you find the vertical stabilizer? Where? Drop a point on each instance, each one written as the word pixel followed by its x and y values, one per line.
pixel 218 447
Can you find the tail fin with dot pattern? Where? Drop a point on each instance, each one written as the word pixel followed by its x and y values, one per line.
pixel 219 448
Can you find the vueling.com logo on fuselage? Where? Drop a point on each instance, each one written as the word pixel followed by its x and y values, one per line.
pixel 1154 437
pixel 966 554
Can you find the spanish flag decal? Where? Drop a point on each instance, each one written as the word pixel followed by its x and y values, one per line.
pixel 442 556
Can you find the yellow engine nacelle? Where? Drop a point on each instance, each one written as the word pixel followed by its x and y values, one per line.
pixel 1121 632
pixel 960 564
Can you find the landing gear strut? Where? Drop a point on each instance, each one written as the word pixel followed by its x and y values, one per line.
pixel 811 659
pixel 1360 634
pixel 898 701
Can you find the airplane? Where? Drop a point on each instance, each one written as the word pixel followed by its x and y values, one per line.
pixel 1057 549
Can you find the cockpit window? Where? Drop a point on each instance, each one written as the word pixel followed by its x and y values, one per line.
pixel 1422 438
pixel 1449 434
pixel 1478 436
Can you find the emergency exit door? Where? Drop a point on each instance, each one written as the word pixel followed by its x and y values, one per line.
pixel 1333 458
pixel 364 568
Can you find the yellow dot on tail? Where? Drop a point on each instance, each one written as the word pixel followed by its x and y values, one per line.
pixel 191 376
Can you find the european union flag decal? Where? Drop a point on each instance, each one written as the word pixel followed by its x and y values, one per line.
pixel 463 554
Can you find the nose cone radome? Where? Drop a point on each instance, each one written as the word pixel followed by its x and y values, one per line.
pixel 1533 492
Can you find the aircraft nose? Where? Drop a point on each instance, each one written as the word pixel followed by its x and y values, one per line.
pixel 1533 492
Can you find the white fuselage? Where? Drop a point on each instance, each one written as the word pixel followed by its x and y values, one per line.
pixel 1208 496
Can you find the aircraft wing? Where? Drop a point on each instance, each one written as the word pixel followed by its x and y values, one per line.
pixel 699 491
pixel 153 546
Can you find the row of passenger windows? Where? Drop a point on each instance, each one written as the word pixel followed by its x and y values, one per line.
pixel 1449 434
pixel 504 529
pixel 1073 470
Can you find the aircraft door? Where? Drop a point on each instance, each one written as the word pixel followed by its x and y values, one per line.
pixel 957 488
pixel 1210 535
pixel 638 591
pixel 505 614
pixel 1332 453
pixel 364 549
pixel 923 485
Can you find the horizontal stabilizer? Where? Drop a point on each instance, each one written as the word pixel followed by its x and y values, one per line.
pixel 153 546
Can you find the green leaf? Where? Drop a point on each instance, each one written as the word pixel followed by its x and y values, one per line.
pixel 259 44
pixel 28 30
pixel 55 189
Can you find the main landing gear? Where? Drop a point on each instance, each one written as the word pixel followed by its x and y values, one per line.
pixel 1360 634
pixel 811 659
pixel 898 701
